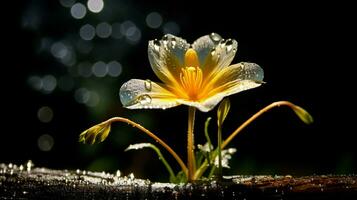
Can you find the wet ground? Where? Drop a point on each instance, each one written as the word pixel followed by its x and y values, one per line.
pixel 27 182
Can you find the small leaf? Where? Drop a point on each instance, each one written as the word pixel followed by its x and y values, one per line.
pixel 95 134
pixel 138 146
pixel 159 154
pixel 303 114
pixel 222 111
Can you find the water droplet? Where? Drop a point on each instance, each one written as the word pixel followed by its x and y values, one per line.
pixel 10 165
pixel 144 99
pixel 21 167
pixel 25 192
pixel 213 52
pixel 157 45
pixel 148 85
pixel 131 176
pixel 118 173
pixel 78 171
pixel 165 40
pixel 229 45
pixel 29 165
pixel 215 37
pixel 173 42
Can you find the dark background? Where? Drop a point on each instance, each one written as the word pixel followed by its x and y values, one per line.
pixel 305 50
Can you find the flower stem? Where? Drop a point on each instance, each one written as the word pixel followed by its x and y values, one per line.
pixel 255 116
pixel 191 145
pixel 219 147
pixel 205 165
pixel 152 135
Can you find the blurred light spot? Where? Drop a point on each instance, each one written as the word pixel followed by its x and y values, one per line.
pixel 116 33
pixel 82 95
pixel 133 35
pixel 87 32
pixel 35 82
pixel 171 27
pixel 95 5
pixel 84 69
pixel 84 47
pixel 49 83
pixel 114 68
pixel 154 20
pixel 45 114
pixel 67 3
pixel 104 30
pixel 59 50
pixel 99 69
pixel 78 11
pixel 45 142
pixel 93 99
pixel 66 83
pixel 125 26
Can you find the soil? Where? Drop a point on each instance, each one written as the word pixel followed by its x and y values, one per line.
pixel 27 182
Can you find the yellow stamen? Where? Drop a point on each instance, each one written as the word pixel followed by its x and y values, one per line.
pixel 191 81
pixel 191 58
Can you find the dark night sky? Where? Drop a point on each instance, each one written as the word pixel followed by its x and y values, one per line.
pixel 305 50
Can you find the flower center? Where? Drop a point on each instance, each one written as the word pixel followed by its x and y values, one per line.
pixel 191 76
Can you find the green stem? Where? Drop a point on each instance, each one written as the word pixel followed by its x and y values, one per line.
pixel 152 135
pixel 163 160
pixel 191 144
pixel 206 133
pixel 219 147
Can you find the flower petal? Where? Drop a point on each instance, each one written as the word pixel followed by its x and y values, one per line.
pixel 214 52
pixel 166 57
pixel 230 80
pixel 138 94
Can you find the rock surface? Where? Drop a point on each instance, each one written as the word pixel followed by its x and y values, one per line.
pixel 26 182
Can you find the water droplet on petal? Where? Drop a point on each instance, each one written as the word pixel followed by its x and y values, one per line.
pixel 144 99
pixel 148 85
pixel 215 37
pixel 229 45
pixel 157 45
pixel 213 52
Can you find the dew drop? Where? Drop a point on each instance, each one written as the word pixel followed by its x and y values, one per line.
pixel 173 42
pixel 118 173
pixel 215 37
pixel 144 99
pixel 157 45
pixel 29 165
pixel 148 85
pixel 21 167
pixel 229 45
pixel 213 52
pixel 131 176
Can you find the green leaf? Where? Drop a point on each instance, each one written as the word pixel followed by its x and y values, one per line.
pixel 303 114
pixel 95 134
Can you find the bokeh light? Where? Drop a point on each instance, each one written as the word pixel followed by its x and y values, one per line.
pixel 45 142
pixel 87 32
pixel 45 114
pixel 95 6
pixel 154 20
pixel 78 11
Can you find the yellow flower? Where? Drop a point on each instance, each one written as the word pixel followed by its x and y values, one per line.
pixel 197 75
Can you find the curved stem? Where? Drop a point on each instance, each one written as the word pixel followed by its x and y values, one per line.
pixel 152 135
pixel 191 144
pixel 205 165
pixel 255 116
pixel 163 160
